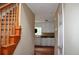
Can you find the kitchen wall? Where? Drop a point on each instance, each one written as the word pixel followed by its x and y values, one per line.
pixel 47 27
pixel 71 29
pixel 26 44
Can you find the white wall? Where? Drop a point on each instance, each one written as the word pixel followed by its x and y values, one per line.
pixel 46 26
pixel 26 44
pixel 71 29
pixel 58 28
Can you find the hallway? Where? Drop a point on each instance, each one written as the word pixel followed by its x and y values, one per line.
pixel 45 37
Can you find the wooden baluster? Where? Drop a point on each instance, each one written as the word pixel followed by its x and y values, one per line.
pixel 8 15
pixel 0 35
pixel 0 28
pixel 10 24
pixel 8 27
pixel 12 39
pixel 14 11
pixel 15 16
pixel 14 20
pixel 5 29
pixel 2 32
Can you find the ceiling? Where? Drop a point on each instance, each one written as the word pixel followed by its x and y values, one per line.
pixel 43 11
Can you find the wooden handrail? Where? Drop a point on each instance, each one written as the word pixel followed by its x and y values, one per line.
pixel 4 6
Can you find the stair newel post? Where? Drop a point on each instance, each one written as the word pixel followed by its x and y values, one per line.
pixel 17 20
pixel 17 15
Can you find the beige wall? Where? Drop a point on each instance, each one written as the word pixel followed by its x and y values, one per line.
pixel 55 21
pixel 71 29
pixel 26 44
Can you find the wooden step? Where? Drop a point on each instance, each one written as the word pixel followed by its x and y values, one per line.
pixel 44 50
pixel 8 49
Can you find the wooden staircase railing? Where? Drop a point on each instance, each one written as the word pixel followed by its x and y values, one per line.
pixel 10 30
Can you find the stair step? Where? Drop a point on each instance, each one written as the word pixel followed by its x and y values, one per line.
pixel 5 46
